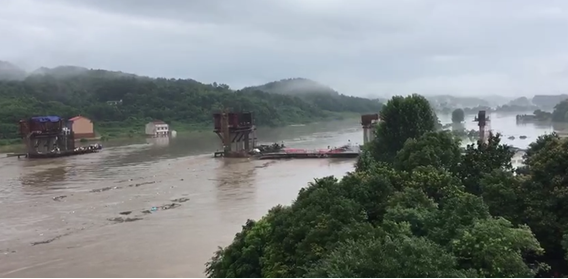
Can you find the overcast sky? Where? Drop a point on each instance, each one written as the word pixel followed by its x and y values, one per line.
pixel 359 47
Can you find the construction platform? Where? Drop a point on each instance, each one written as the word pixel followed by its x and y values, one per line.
pixel 53 155
pixel 310 155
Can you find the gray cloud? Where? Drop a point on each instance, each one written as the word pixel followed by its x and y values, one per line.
pixel 360 47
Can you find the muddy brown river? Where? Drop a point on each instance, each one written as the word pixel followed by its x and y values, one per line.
pixel 158 208
pixel 152 209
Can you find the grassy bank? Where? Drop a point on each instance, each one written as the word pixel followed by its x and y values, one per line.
pixel 110 131
pixel 11 145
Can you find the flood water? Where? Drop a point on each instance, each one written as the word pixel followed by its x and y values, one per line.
pixel 62 217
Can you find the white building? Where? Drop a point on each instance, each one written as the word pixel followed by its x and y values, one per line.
pixel 157 128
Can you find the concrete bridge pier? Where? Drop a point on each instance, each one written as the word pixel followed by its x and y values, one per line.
pixel 369 123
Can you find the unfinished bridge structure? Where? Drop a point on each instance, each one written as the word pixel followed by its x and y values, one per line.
pixel 369 123
pixel 44 135
pixel 237 133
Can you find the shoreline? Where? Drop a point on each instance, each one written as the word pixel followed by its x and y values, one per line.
pixel 19 147
pixel 115 134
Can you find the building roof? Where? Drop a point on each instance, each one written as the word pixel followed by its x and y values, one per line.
pixel 46 118
pixel 158 122
pixel 77 117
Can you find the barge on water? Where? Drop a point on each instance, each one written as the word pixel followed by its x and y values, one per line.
pixel 345 151
pixel 308 155
pixel 78 151
pixel 237 132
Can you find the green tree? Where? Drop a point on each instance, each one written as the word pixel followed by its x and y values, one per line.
pixel 397 256
pixel 482 159
pixel 379 223
pixel 429 211
pixel 560 112
pixel 458 116
pixel 439 149
pixel 543 196
pixel 402 118
pixel 542 115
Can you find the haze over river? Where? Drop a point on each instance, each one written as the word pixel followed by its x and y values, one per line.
pixel 61 217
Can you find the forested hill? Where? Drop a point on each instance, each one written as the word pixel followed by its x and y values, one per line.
pixel 9 71
pixel 119 100
pixel 295 87
pixel 318 94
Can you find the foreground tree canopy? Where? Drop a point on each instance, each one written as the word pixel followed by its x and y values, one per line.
pixel 560 113
pixel 124 100
pixel 420 208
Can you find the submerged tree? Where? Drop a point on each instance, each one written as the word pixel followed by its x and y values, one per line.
pixel 458 116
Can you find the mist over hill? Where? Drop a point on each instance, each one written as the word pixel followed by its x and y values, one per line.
pixel 295 87
pixel 319 94
pixel 9 71
pixel 124 102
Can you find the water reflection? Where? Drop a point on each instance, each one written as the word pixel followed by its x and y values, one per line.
pixel 507 125
pixel 234 173
pixel 339 161
pixel 235 184
pixel 38 176
pixel 543 125
pixel 458 126
pixel 159 141
pixel 560 128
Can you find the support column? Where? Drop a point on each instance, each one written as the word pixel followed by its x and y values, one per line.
pixel 247 141
pixel 235 131
pixel 365 135
pixel 371 132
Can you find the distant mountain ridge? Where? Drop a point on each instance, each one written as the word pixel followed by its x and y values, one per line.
pixel 9 71
pixel 319 95
pixel 60 71
pixel 548 101
pixel 295 87
pixel 68 91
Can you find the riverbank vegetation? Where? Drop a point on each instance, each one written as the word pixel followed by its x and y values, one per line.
pixel 560 112
pixel 416 206
pixel 471 105
pixel 537 116
pixel 121 104
pixel 558 115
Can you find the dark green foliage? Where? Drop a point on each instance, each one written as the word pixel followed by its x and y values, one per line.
pixel 242 257
pixel 430 212
pixel 560 113
pixel 439 149
pixel 69 91
pixel 483 159
pixel 543 196
pixel 542 115
pixel 388 257
pixel 402 118
pixel 353 228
